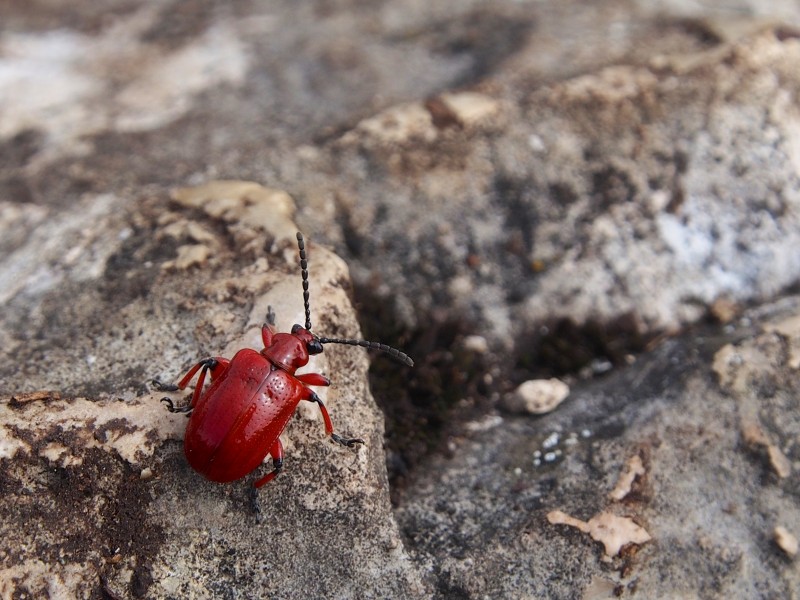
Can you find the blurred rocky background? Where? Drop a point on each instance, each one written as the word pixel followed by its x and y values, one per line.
pixel 582 220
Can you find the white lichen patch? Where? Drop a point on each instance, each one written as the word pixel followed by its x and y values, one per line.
pixel 633 468
pixel 612 531
pixel 247 207
pixel 42 580
pixel 398 124
pixel 415 121
pixel 599 588
pixel 164 91
pixel 61 430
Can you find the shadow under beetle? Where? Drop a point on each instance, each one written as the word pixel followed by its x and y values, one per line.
pixel 238 420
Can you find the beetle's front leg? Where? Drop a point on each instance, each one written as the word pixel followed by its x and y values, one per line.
pixel 214 366
pixel 176 409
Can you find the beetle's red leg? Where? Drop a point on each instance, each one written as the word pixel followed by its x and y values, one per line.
pixel 215 366
pixel 266 334
pixel 349 442
pixel 313 379
pixel 277 463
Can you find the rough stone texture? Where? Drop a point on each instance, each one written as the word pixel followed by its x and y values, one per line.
pixel 101 510
pixel 522 190
pixel 642 190
pixel 478 521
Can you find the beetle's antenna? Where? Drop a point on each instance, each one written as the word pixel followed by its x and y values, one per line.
pixel 304 274
pixel 393 352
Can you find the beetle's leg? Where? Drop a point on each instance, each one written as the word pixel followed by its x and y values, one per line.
pixel 176 409
pixel 266 334
pixel 349 442
pixel 313 379
pixel 160 386
pixel 277 463
pixel 215 366
pixel 268 328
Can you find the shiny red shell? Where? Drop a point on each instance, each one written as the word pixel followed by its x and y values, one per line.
pixel 237 420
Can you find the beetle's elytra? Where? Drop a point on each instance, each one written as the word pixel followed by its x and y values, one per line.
pixel 238 419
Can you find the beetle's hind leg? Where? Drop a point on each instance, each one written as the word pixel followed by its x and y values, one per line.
pixel 277 464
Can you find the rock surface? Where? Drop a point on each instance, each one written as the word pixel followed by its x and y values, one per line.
pixel 106 500
pixel 521 190
pixel 481 521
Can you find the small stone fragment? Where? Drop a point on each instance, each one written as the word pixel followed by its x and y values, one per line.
pixel 537 396
pixel 724 310
pixel 786 541
pixel 476 344
pixel 755 437
pixel 780 463
pixel 471 108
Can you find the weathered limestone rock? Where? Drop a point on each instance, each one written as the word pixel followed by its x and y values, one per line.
pixel 97 493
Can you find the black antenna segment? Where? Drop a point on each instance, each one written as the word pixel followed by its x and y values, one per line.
pixel 304 274
pixel 392 352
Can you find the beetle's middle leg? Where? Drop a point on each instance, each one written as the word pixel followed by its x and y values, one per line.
pixel 349 442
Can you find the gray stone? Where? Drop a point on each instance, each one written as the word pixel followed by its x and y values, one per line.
pixel 482 521
pixel 520 190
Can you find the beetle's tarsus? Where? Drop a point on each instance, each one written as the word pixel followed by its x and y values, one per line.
pixel 270 316
pixel 349 442
pixel 163 387
pixel 175 409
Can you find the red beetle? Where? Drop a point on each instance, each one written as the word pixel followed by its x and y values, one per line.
pixel 237 421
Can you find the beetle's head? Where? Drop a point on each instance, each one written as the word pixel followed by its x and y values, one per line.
pixel 311 342
pixel 290 351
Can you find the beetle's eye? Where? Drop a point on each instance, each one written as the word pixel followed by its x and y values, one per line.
pixel 296 328
pixel 314 347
